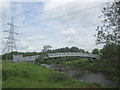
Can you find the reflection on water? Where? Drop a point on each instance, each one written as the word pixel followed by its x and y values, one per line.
pixel 89 76
pixel 85 75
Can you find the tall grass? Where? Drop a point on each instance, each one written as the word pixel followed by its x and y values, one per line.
pixel 27 75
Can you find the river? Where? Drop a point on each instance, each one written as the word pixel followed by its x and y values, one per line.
pixel 89 76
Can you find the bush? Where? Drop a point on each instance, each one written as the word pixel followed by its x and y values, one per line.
pixel 57 77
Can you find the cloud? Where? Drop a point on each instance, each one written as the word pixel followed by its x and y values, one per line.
pixel 18 8
pixel 81 38
pixel 36 37
pixel 18 13
pixel 76 36
pixel 32 43
pixel 84 16
pixel 70 31
pixel 4 11
pixel 73 14
pixel 76 29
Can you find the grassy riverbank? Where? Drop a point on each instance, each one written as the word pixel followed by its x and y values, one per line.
pixel 27 75
pixel 94 66
pixel 102 65
pixel 83 63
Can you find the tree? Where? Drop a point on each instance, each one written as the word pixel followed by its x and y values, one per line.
pixel 109 52
pixel 82 50
pixel 95 51
pixel 46 48
pixel 74 49
pixel 109 32
pixel 66 49
pixel 43 54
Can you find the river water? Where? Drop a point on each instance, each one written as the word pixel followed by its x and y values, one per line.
pixel 89 76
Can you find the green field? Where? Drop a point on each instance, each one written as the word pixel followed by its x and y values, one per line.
pixel 27 75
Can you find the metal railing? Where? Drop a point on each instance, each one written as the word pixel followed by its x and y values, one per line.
pixel 51 55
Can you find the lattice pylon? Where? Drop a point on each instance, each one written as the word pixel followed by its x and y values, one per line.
pixel 10 45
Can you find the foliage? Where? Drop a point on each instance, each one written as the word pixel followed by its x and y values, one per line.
pixel 45 51
pixel 46 48
pixel 26 75
pixel 67 49
pixel 96 51
pixel 109 32
pixel 63 60
pixel 10 55
pixel 43 54
pixel 110 60
pixel 77 63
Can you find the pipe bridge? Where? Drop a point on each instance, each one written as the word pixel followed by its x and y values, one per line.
pixel 92 57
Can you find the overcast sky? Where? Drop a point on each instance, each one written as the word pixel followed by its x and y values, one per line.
pixel 54 22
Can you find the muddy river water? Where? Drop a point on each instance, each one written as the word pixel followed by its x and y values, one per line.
pixel 85 75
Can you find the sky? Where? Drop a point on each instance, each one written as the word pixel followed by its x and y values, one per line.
pixel 57 23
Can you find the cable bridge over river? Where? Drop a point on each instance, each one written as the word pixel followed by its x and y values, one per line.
pixel 20 58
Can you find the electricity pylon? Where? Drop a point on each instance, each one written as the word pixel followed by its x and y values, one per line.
pixel 10 45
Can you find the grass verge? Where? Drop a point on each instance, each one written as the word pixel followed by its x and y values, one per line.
pixel 27 75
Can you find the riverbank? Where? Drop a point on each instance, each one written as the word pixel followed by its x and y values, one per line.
pixel 91 66
pixel 85 64
pixel 92 70
pixel 27 75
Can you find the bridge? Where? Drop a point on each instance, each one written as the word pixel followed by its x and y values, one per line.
pixel 20 58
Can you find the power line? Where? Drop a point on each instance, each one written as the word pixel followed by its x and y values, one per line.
pixel 63 15
pixel 68 14
pixel 72 13
pixel 51 10
pixel 11 41
pixel 58 7
pixel 54 9
pixel 56 37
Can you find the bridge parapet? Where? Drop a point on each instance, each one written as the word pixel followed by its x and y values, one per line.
pixel 20 58
pixel 61 54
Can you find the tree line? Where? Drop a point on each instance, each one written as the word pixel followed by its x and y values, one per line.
pixel 65 49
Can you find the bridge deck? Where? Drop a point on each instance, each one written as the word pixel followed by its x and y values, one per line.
pixel 72 54
pixel 19 58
